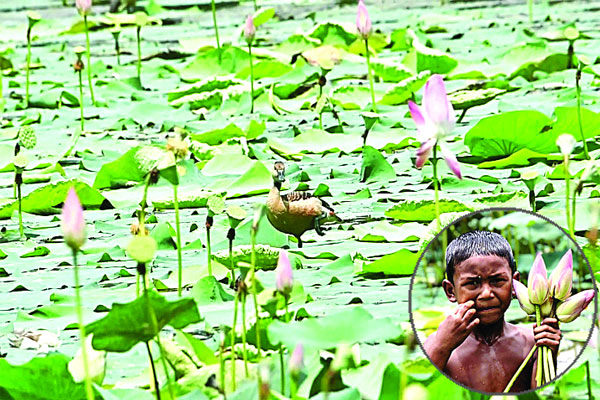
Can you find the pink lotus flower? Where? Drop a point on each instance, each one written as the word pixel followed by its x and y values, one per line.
pixel 574 305
pixel 249 29
pixel 434 122
pixel 73 224
pixel 561 279
pixel 283 274
pixel 84 7
pixel 297 360
pixel 363 21
pixel 523 297
pixel 537 284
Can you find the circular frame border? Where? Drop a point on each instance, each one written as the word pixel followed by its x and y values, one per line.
pixel 412 280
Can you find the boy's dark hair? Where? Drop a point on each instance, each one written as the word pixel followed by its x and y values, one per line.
pixel 477 243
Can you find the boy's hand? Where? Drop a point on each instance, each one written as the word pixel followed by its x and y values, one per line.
pixel 547 334
pixel 457 326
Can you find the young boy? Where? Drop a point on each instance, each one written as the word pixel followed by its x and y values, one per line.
pixel 474 345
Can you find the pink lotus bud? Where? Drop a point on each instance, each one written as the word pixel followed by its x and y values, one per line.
pixel 574 305
pixel 283 274
pixel 561 279
pixel 83 6
pixel 296 360
pixel 249 29
pixel 537 284
pixel 363 21
pixel 73 224
pixel 523 297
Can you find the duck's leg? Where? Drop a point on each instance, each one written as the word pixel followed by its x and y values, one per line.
pixel 299 242
pixel 318 226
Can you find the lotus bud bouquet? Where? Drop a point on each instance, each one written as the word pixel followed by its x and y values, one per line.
pixel 549 297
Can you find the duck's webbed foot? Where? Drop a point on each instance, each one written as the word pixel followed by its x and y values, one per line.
pixel 318 227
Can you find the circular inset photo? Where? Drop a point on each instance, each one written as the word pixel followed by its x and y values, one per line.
pixel 503 300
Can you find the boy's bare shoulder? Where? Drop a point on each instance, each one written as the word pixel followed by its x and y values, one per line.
pixel 520 333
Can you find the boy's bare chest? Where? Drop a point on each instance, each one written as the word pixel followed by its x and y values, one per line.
pixel 488 368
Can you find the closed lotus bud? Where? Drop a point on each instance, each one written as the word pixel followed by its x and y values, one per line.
pixel 249 29
pixel 546 308
pixel 537 284
pixel 415 391
pixel 574 305
pixel 561 279
pixel 297 360
pixel 363 21
pixel 84 7
pixel 566 143
pixel 73 224
pixel 96 363
pixel 523 297
pixel 283 274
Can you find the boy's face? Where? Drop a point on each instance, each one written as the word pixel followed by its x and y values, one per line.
pixel 487 280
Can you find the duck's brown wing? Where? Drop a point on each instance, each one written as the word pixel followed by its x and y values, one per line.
pixel 296 196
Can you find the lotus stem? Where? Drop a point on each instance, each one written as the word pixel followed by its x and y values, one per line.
pixel 88 381
pixel 19 182
pixel 117 49
pixel 567 195
pixel 588 379
pixel 81 101
pixel 214 17
pixel 87 53
pixel 222 367
pixel 541 359
pixel 235 311
pixel 519 370
pixel 245 352
pixel 255 5
pixel 139 53
pixel 462 115
pixel 209 222
pixel 253 280
pixel 281 368
pixel 578 92
pixel 231 237
pixel 154 325
pixel 251 79
pixel 28 66
pixel 373 106
pixel 436 185
pixel 530 6
pixel 178 228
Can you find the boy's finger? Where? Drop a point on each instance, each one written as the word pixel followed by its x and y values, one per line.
pixel 550 321
pixel 464 307
pixel 469 314
pixel 473 324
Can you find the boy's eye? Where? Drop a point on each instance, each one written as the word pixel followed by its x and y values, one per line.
pixel 471 283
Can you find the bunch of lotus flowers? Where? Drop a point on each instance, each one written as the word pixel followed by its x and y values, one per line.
pixel 551 297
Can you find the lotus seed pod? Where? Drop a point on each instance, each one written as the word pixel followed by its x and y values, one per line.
pixel 148 158
pixel 27 137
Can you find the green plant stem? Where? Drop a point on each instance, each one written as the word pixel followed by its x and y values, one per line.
pixel 214 17
pixel 28 66
pixel 19 179
pixel 154 326
pixel 88 381
pixel 139 53
pixel 142 226
pixel 245 351
pixel 231 262
pixel 530 4
pixel 222 368
pixel 436 185
pixel 178 229
pixel 118 50
pixel 373 106
pixel 208 249
pixel 87 53
pixel 540 352
pixel 519 370
pixel 281 368
pixel 235 311
pixel 251 79
pixel 573 211
pixel 567 195
pixel 586 154
pixel 153 369
pixel 253 280
pixel 588 379
pixel 81 100
pixel 255 6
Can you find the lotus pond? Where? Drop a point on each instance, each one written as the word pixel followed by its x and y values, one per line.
pixel 206 118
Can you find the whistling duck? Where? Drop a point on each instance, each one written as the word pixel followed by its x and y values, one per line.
pixel 295 212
